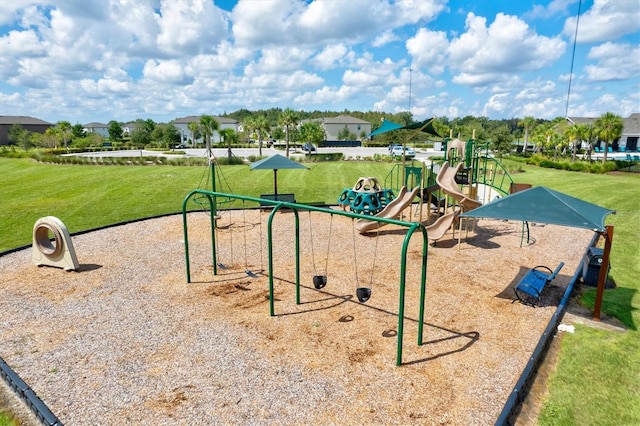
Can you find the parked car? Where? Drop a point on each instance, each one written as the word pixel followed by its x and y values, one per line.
pixel 182 146
pixel 397 151
pixel 309 147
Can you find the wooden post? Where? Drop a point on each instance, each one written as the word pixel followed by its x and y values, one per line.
pixel 604 271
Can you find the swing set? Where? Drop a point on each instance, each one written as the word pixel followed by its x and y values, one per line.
pixel 320 281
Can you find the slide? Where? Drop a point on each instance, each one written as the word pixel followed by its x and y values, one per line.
pixel 446 180
pixel 439 228
pixel 391 210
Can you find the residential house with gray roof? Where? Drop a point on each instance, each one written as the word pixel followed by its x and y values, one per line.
pixel 225 123
pixel 28 123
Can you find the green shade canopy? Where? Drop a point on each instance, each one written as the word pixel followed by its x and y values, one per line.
pixel 276 162
pixel 544 205
pixel 424 126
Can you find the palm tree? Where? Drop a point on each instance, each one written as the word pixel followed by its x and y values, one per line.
pixel 609 128
pixel 194 127
pixel 65 128
pixel 209 126
pixel 576 134
pixel 262 127
pixel 228 135
pixel 288 118
pixel 528 122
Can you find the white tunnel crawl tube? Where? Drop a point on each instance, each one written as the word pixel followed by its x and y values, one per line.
pixel 52 244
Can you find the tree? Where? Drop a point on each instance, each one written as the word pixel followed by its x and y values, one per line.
pixel 288 119
pixel 542 135
pixel 20 136
pixel 262 127
pixel 312 132
pixel 209 126
pixel 194 128
pixel 65 129
pixel 502 140
pixel 528 123
pixel 576 133
pixel 229 136
pixel 115 131
pixel 166 134
pixel 346 135
pixel 278 133
pixel 77 131
pixel 142 134
pixel 609 128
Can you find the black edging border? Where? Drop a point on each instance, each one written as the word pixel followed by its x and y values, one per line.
pixel 28 396
pixel 507 417
pixel 512 407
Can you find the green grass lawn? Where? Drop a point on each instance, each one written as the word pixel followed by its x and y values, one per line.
pixel 598 376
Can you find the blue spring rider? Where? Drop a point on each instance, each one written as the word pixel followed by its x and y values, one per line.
pixel 366 196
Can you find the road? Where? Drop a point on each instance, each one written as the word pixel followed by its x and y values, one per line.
pixel 349 152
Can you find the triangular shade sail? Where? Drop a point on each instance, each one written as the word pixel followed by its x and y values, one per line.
pixel 425 126
pixel 544 205
pixel 388 126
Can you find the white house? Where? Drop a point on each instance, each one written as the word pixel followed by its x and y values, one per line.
pixel 225 123
pixel 95 127
pixel 334 125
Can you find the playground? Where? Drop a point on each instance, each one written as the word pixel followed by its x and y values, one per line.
pixel 126 338
pixel 292 313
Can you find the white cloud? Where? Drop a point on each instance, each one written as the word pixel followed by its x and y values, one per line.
pixel 551 10
pixel 507 45
pixel 386 37
pixel 21 43
pixel 607 20
pixel 330 57
pixel 170 71
pixel 190 27
pixel 429 50
pixel 269 22
pixel 614 62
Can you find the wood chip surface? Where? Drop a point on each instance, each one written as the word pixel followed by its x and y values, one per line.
pixel 126 340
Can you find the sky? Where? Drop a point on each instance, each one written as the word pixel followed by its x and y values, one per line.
pixel 99 60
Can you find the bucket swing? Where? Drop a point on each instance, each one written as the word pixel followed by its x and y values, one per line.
pixel 364 293
pixel 320 280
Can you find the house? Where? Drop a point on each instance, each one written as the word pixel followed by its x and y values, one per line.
pixel 630 131
pixel 225 123
pixel 334 125
pixel 95 127
pixel 28 123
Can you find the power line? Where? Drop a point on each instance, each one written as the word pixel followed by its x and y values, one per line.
pixel 573 58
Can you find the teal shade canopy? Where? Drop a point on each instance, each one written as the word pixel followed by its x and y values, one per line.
pixel 544 205
pixel 387 126
pixel 424 126
pixel 276 162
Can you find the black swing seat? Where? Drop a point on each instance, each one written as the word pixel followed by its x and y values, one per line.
pixel 530 287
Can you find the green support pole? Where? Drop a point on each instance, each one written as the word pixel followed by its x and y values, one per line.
pixel 403 279
pixel 186 234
